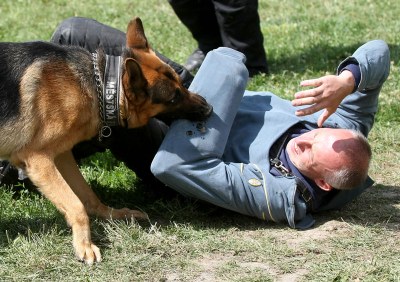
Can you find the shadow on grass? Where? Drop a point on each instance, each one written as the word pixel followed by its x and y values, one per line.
pixel 28 228
pixel 376 207
pixel 379 206
pixel 395 53
pixel 321 57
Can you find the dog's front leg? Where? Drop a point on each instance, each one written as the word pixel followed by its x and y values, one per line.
pixel 67 166
pixel 42 171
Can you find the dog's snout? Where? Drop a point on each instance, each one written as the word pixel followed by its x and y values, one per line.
pixel 204 109
pixel 208 112
pixel 191 106
pixel 207 107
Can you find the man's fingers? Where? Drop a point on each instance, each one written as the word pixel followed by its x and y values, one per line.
pixel 307 93
pixel 308 111
pixel 311 82
pixel 323 117
pixel 305 101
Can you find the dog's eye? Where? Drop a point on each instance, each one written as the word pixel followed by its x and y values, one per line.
pixel 172 101
pixel 175 98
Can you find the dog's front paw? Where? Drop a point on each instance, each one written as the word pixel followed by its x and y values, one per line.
pixel 87 252
pixel 126 213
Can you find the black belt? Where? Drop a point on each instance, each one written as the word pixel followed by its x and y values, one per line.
pixel 305 194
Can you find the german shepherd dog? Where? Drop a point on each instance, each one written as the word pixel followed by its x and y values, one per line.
pixel 51 99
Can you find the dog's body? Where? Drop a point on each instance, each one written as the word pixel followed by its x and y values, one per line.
pixel 49 102
pixel 45 98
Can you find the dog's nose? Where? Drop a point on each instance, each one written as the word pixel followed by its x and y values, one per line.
pixel 205 108
pixel 208 110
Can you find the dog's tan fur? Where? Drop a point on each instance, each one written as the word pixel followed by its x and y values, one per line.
pixel 58 109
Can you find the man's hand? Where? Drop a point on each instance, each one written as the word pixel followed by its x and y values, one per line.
pixel 327 93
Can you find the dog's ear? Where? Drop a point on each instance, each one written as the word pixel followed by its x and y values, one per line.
pixel 133 80
pixel 135 37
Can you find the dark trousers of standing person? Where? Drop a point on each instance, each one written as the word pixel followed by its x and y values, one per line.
pixel 228 23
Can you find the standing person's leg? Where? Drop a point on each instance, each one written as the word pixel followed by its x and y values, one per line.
pixel 89 34
pixel 199 17
pixel 240 29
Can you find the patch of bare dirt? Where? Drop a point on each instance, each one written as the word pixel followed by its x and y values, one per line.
pixel 322 232
pixel 208 266
pixel 292 277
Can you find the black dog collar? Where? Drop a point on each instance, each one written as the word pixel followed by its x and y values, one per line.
pixel 108 93
pixel 111 90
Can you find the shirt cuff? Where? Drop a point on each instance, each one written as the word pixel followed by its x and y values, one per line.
pixel 355 71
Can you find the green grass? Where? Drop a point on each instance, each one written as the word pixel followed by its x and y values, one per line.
pixel 186 240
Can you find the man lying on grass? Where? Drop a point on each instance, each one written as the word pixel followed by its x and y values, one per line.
pixel 257 154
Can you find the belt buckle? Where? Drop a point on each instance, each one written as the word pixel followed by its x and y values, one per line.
pixel 307 198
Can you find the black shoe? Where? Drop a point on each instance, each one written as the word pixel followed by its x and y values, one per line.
pixel 257 71
pixel 195 60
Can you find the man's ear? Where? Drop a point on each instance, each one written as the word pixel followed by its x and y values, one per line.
pixel 323 185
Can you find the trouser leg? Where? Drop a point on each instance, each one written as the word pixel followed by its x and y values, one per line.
pixel 199 17
pixel 240 29
pixel 89 34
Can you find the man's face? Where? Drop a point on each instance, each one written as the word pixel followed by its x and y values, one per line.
pixel 319 150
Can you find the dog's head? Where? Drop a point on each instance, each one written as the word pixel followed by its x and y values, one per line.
pixel 152 87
